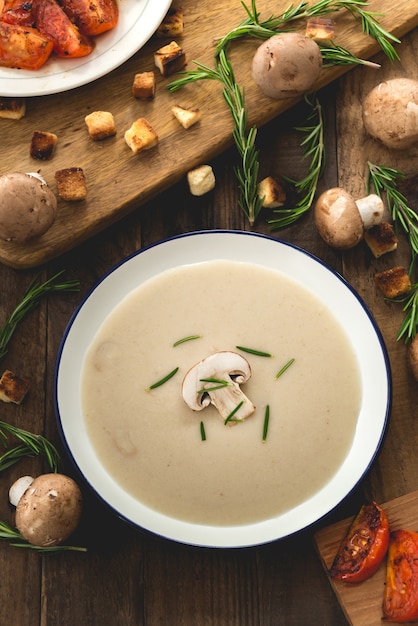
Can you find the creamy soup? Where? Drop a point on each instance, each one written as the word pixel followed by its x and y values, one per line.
pixel 190 464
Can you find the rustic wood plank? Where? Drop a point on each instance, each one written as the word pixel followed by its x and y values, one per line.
pixel 119 181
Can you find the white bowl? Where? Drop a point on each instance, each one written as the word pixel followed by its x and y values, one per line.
pixel 329 287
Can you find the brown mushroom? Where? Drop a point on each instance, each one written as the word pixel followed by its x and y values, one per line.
pixel 286 65
pixel 390 113
pixel 27 207
pixel 341 220
pixel 48 508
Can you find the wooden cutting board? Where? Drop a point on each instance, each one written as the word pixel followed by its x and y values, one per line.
pixel 362 603
pixel 119 181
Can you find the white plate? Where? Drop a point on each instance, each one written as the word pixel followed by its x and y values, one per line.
pixel 191 248
pixel 138 21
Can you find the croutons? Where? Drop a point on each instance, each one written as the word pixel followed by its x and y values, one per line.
pixel 186 117
pixel 141 136
pixel 170 58
pixel 173 24
pixel 143 86
pixel 12 108
pixel 381 239
pixel 393 282
pixel 201 180
pixel 42 145
pixel 13 388
pixel 71 184
pixel 272 192
pixel 320 28
pixel 100 125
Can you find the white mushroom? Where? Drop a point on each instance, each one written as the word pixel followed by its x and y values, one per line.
pixel 27 207
pixel 216 380
pixel 341 220
pixel 390 113
pixel 287 65
pixel 48 508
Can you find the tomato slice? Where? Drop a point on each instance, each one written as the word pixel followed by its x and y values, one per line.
pixel 23 47
pixel 92 17
pixel 400 601
pixel 56 25
pixel 364 546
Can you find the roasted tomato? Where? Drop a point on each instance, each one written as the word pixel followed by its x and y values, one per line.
pixel 92 17
pixel 18 12
pixel 23 47
pixel 56 25
pixel 400 601
pixel 364 547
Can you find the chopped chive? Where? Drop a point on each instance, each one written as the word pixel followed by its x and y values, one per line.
pixel 165 379
pixel 202 431
pixel 184 339
pixel 266 422
pixel 284 368
pixel 232 413
pixel 252 351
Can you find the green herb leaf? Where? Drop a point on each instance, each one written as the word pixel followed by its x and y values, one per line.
pixel 233 412
pixel 284 368
pixel 164 380
pixel 253 351
pixel 266 422
pixel 184 339
pixel 202 431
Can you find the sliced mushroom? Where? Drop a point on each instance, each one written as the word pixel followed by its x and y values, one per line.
pixel 48 508
pixel 341 220
pixel 216 380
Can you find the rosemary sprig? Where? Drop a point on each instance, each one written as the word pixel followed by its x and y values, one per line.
pixel 30 301
pixel 384 181
pixel 313 148
pixel 284 368
pixel 230 417
pixel 253 351
pixel 31 445
pixel 16 540
pixel 266 423
pixel 202 431
pixel 185 339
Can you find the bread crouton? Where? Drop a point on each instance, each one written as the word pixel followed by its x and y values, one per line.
pixel 320 28
pixel 13 388
pixel 393 282
pixel 272 192
pixel 141 136
pixel 170 58
pixel 12 108
pixel 186 117
pixel 100 125
pixel 42 145
pixel 173 23
pixel 71 184
pixel 143 86
pixel 381 239
pixel 201 180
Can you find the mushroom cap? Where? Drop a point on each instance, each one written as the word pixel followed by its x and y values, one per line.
pixel 27 207
pixel 337 219
pixel 49 510
pixel 220 365
pixel 390 113
pixel 286 65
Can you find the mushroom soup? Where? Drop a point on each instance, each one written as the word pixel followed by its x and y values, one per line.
pixel 196 465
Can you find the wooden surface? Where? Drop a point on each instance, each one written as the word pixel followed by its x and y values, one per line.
pixel 362 603
pixel 118 181
pixel 132 578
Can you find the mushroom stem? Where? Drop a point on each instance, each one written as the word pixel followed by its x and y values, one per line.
pixel 371 210
pixel 226 401
pixel 18 488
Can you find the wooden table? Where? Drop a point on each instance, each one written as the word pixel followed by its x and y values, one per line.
pixel 132 578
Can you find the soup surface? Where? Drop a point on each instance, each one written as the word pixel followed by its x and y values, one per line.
pixel 151 442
